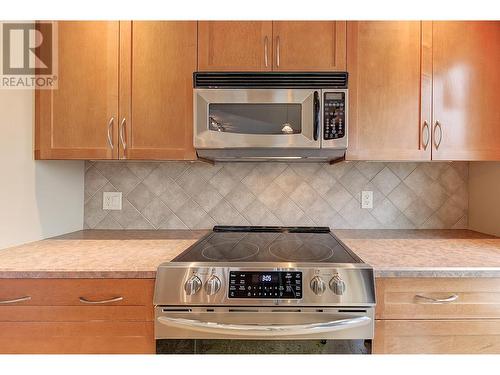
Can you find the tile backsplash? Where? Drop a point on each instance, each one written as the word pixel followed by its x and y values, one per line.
pixel 181 195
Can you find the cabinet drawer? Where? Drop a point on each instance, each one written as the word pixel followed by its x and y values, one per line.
pixel 74 292
pixel 437 337
pixel 82 337
pixel 75 313
pixel 419 298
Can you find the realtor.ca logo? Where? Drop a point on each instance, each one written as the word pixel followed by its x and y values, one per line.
pixel 29 55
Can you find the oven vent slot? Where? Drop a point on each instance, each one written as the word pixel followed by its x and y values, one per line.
pixel 176 310
pixel 270 80
pixel 351 311
pixel 243 310
pixel 287 310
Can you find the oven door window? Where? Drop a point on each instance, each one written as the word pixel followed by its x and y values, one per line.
pixel 256 118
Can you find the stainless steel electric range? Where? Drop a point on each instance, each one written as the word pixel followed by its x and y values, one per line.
pixel 265 289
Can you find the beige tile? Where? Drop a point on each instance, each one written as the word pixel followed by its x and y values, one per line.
pixel 450 180
pixel 108 223
pixel 402 169
pixel 305 196
pixel 223 182
pixel 124 180
pixel 305 170
pixel 272 196
pixel 434 196
pixel 288 180
pixel 418 212
pixel 172 222
pixel 353 181
pixel 402 196
pixel 418 181
pixel 337 196
pixel 240 197
pixel 173 195
pixel 190 213
pixel 239 170
pixel 141 168
pixel 156 212
pixel 288 212
pixel 386 181
pixel 192 182
pixel 204 170
pixel 322 181
pixel 449 213
pixel 385 212
pixel 129 218
pixel 94 180
pixel 338 170
pixel 208 197
pixel 225 214
pixel 370 169
pixel 140 197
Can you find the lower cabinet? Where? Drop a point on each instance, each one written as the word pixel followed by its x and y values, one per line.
pixel 437 316
pixel 76 316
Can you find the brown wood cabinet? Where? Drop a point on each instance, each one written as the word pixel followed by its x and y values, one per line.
pixel 235 45
pixel 271 45
pixel 75 120
pixel 389 90
pixel 76 316
pixel 156 77
pixel 423 90
pixel 309 45
pixel 437 315
pixel 125 91
pixel 466 118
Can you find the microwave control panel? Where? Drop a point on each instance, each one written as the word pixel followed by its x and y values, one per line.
pixel 333 115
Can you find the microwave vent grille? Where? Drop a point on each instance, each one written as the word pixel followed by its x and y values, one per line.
pixel 249 80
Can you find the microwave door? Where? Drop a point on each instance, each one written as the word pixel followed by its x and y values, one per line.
pixel 257 118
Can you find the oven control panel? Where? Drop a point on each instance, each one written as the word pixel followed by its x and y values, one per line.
pixel 333 115
pixel 275 284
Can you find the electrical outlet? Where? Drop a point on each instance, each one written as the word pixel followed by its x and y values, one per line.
pixel 367 199
pixel 112 200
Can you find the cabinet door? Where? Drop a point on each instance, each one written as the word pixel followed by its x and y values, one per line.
pixel 389 90
pixel 235 45
pixel 466 57
pixel 73 121
pixel 157 61
pixel 309 45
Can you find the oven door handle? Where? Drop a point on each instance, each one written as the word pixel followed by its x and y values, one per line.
pixel 265 329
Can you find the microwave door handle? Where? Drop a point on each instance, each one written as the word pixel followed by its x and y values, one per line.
pixel 265 329
pixel 316 116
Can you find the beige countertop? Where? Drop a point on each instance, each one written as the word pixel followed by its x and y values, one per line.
pixel 97 254
pixel 137 254
pixel 425 253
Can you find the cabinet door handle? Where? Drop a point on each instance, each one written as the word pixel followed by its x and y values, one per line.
pixel 449 299
pixel 110 135
pixel 15 300
pixel 436 142
pixel 278 51
pixel 266 42
pixel 89 302
pixel 425 134
pixel 122 134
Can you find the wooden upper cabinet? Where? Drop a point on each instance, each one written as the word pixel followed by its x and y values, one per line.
pixel 389 90
pixel 466 98
pixel 156 106
pixel 235 45
pixel 72 121
pixel 309 45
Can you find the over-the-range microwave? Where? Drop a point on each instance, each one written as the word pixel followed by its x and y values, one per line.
pixel 266 116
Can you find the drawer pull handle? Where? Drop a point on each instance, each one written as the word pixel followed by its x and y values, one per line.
pixel 116 299
pixel 449 299
pixel 21 299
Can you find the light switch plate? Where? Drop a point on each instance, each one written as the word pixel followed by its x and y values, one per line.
pixel 112 200
pixel 367 199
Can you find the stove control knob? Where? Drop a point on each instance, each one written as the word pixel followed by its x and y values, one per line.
pixel 192 285
pixel 212 286
pixel 318 285
pixel 337 285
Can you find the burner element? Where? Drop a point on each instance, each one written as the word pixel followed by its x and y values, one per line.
pixel 229 251
pixel 296 250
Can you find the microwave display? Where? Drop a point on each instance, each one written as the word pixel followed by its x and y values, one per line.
pixel 333 115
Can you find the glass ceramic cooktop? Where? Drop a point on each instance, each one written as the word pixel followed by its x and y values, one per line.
pixel 268 244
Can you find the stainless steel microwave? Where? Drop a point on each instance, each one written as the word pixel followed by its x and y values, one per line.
pixel 270 116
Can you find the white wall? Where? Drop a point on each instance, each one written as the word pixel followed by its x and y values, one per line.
pixel 38 199
pixel 484 197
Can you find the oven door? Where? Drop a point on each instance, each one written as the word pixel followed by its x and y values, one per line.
pixel 242 330
pixel 264 323
pixel 257 118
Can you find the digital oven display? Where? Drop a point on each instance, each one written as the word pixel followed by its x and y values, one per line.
pixel 275 285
